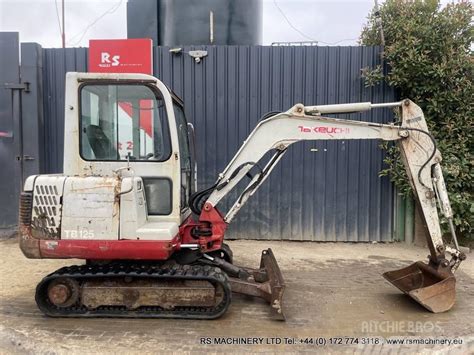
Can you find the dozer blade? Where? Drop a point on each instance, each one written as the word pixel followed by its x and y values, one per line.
pixel 266 282
pixel 433 290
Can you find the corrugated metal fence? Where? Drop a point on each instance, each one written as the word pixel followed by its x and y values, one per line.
pixel 323 191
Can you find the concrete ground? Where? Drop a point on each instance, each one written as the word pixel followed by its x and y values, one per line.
pixel 333 291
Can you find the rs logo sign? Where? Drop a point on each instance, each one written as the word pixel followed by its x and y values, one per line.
pixel 121 55
pixel 106 60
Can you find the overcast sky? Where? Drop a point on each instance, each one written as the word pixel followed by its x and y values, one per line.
pixel 329 22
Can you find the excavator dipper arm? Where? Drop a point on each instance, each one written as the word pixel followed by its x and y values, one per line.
pixel 421 160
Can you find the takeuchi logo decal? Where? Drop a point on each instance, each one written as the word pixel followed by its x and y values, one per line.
pixel 322 129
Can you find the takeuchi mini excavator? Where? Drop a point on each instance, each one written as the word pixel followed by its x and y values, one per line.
pixel 154 246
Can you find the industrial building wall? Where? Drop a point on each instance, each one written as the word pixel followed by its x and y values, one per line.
pixel 321 191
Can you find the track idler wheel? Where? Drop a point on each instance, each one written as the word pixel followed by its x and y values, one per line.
pixel 63 292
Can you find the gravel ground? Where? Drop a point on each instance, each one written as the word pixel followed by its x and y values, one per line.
pixel 334 290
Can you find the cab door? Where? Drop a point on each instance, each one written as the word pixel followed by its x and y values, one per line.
pixel 186 164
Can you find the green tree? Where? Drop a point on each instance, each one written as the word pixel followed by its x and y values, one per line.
pixel 429 58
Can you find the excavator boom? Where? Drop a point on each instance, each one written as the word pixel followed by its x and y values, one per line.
pixel 432 284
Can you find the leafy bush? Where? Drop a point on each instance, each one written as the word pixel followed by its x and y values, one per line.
pixel 429 58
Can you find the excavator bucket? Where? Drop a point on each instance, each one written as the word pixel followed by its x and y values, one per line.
pixel 433 290
pixel 266 282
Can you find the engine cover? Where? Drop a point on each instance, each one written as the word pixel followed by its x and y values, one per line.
pixel 90 208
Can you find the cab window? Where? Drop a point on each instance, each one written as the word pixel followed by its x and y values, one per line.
pixel 123 122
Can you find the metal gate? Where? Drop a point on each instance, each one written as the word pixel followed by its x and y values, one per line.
pixel 323 191
pixel 21 117
pixel 19 122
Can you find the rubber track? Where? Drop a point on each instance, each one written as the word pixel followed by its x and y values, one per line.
pixel 167 272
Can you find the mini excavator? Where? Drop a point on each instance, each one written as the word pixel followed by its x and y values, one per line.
pixel 128 205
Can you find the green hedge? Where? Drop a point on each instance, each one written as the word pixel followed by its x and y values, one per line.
pixel 429 58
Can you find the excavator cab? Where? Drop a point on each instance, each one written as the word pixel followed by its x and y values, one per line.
pixel 130 123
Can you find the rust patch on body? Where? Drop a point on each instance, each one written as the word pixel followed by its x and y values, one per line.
pixel 28 244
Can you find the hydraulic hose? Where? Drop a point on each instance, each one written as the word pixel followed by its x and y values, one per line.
pixel 433 140
pixel 197 197
pixel 195 200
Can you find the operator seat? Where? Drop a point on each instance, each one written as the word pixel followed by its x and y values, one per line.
pixel 100 143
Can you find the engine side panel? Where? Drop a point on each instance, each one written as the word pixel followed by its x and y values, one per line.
pixel 90 208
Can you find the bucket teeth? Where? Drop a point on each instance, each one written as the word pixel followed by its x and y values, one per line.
pixel 434 290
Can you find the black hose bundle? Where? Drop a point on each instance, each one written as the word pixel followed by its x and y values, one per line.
pixel 433 140
pixel 268 115
pixel 197 199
